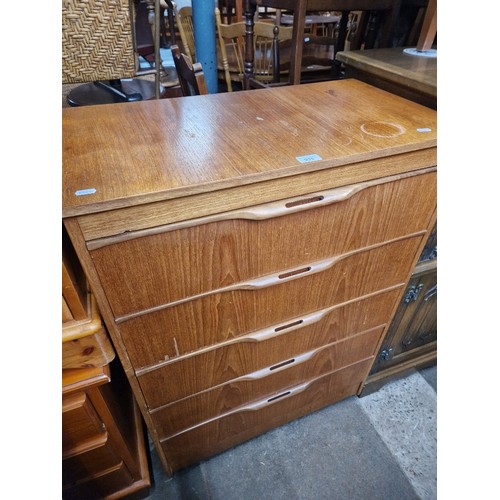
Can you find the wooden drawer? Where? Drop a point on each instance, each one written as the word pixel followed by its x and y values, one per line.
pixel 206 405
pixel 245 422
pixel 168 264
pixel 88 351
pixel 81 425
pixel 85 343
pixel 114 483
pixel 90 463
pixel 267 347
pixel 275 299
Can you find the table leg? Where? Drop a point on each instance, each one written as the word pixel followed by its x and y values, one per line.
pixel 299 20
pixel 250 9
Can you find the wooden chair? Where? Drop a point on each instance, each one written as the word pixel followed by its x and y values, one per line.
pixel 102 41
pixel 184 21
pixel 228 11
pixel 168 8
pixel 382 14
pixel 267 40
pixel 191 78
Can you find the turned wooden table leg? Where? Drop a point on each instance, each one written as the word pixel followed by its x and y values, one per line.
pixel 250 9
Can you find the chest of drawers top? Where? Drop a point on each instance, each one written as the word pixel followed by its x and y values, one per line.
pixel 117 156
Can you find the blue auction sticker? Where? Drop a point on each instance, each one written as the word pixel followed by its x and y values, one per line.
pixel 308 158
pixel 83 192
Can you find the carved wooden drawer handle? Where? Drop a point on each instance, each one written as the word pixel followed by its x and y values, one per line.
pixel 283 365
pixel 285 394
pixel 297 204
pixel 256 212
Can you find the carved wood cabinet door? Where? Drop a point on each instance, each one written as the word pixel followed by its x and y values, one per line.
pixel 413 331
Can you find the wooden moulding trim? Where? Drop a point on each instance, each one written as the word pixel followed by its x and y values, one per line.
pixel 425 266
pixel 268 280
pixel 73 402
pixel 97 475
pixel 76 379
pixel 260 212
pixel 87 445
pixel 267 401
pixel 271 331
pixel 276 367
pixel 414 363
pixel 79 329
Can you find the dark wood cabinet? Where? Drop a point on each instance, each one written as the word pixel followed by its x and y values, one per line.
pixel 411 340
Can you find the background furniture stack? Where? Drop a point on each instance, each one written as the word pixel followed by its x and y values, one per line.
pixel 376 28
pixel 391 69
pixel 103 445
pixel 102 41
pixel 411 341
pixel 252 279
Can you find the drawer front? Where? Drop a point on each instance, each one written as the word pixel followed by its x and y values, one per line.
pixel 103 486
pixel 224 315
pixel 81 425
pixel 272 379
pixel 87 352
pixel 218 251
pixel 265 348
pixel 215 436
pixel 88 464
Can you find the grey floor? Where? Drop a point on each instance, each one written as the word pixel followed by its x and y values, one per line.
pixel 380 446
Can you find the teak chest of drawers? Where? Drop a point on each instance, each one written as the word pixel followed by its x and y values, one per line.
pixel 247 250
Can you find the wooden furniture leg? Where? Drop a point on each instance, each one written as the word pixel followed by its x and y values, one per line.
pixel 248 63
pixel 299 19
pixel 429 28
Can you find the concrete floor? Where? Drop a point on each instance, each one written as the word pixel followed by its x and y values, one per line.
pixel 381 446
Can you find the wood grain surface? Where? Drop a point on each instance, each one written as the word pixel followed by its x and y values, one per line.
pixel 97 227
pixel 248 421
pixel 223 315
pixel 270 379
pixel 393 64
pixel 133 153
pixel 153 270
